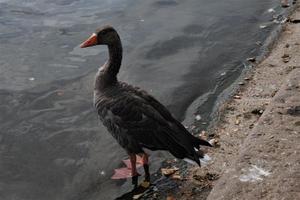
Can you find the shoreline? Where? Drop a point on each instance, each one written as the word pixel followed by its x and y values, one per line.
pixel 263 52
pixel 241 116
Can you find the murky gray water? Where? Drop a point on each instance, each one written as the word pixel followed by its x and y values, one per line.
pixel 52 145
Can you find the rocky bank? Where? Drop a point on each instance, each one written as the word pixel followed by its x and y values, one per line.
pixel 257 139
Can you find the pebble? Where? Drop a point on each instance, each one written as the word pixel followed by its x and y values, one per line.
pixel 251 126
pixel 237 97
pixel 169 171
pixel 170 198
pixel 211 134
pixel 271 65
pixel 176 177
pixel 257 111
pixel 286 58
pixel 214 142
pixel 297 123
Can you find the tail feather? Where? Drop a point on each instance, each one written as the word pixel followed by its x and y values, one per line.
pixel 183 145
pixel 198 142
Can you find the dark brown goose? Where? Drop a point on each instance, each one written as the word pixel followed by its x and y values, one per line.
pixel 133 117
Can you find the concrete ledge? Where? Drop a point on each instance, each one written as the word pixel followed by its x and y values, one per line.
pixel 268 165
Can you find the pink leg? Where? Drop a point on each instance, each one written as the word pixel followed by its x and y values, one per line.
pixel 134 173
pixel 145 158
pixel 132 158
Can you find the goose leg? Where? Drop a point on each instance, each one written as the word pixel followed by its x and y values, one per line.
pixel 134 173
pixel 145 158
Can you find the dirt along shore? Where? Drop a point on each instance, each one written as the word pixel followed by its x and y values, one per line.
pixel 257 141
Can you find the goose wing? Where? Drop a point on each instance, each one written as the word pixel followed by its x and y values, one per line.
pixel 152 126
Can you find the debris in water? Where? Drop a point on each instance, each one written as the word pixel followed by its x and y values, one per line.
pixel 60 93
pixel 223 74
pixel 254 174
pixel 262 26
pixel 142 20
pixel 102 173
pixel 31 79
pixel 252 59
pixel 284 20
pixel 271 10
pixel 137 196
pixel 259 43
pixel 279 19
pixel 198 117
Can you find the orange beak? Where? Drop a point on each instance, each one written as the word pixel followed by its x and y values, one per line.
pixel 91 41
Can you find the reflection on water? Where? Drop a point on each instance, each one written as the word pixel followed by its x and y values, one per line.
pixel 52 145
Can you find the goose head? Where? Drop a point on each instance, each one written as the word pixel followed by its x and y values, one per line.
pixel 105 35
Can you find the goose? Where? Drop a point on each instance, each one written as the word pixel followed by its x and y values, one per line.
pixel 133 117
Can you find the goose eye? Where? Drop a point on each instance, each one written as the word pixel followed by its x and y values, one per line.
pixel 104 32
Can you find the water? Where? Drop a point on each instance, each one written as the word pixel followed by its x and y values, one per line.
pixel 52 145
